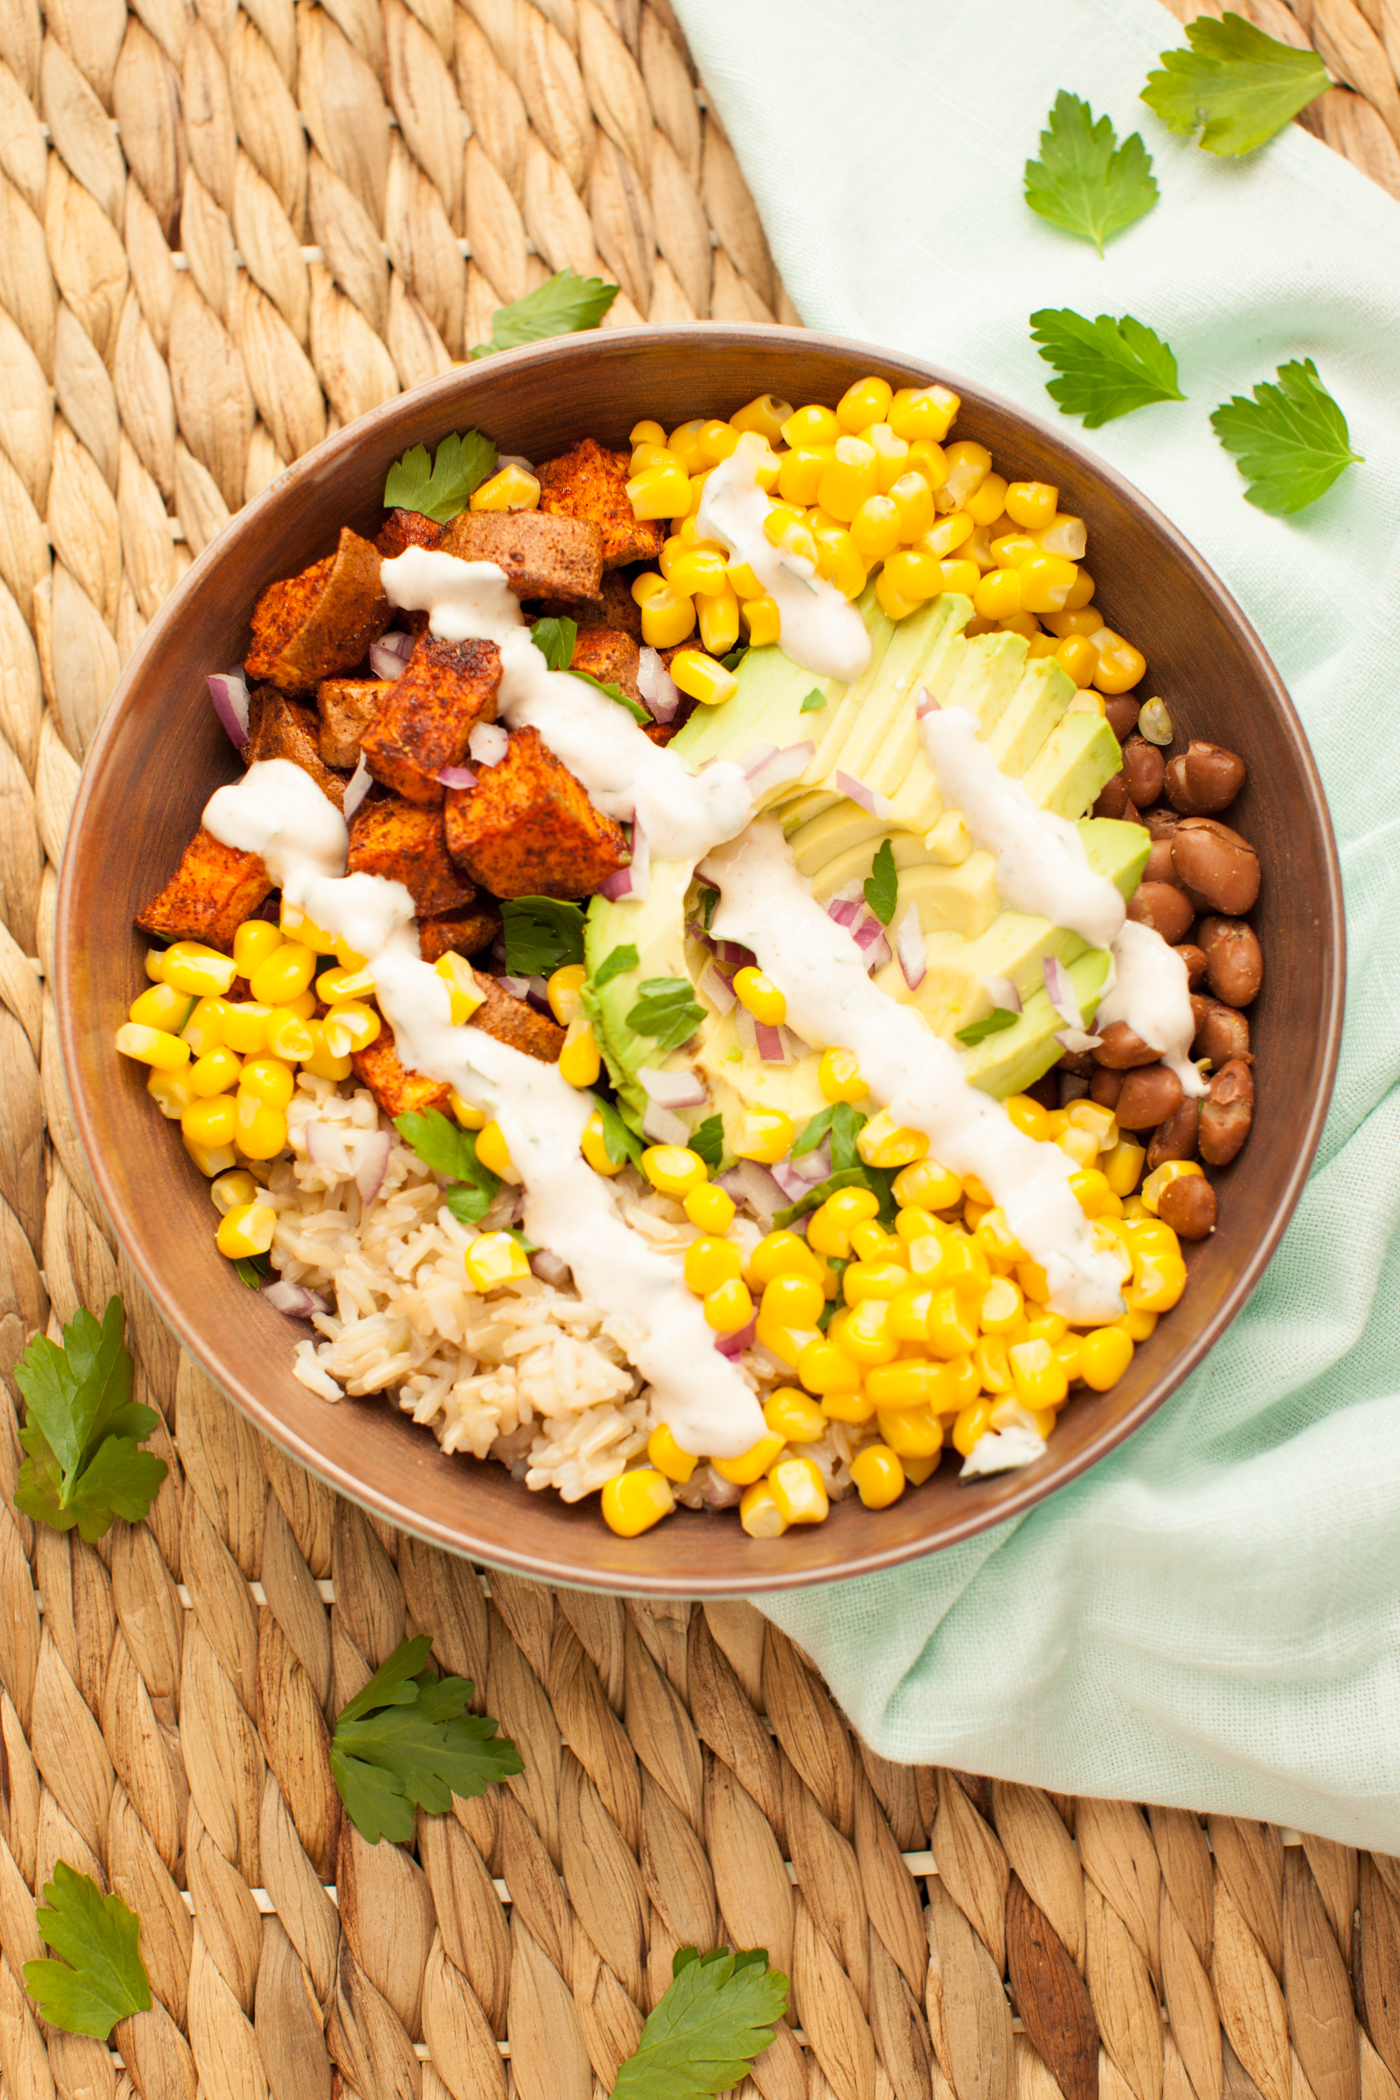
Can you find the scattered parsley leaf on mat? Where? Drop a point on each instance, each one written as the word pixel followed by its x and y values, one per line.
pixel 620 1141
pixel 667 1010
pixel 707 1142
pixel 1084 180
pixel 1290 442
pixel 84 1431
pixel 1242 85
pixel 406 1741
pixel 614 692
pixel 441 490
pixel 990 1024
pixel 882 884
pixel 555 641
pixel 251 1269
pixel 814 702
pixel 451 1151
pixel 101 1977
pixel 1107 367
pixel 616 963
pixel 702 2035
pixel 562 305
pixel 541 934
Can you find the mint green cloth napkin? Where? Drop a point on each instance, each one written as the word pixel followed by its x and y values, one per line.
pixel 1211 1617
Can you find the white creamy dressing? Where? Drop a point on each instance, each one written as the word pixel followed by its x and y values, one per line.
pixel 768 907
pixel 278 812
pixel 1150 990
pixel 818 628
pixel 627 776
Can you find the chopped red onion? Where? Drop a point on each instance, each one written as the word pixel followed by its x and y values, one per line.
pixel 374 1162
pixel 771 1047
pixel 618 885
pixel 870 937
pixel 518 987
pixel 1076 1039
pixel 765 767
pixel 720 1493
pixel 1059 986
pixel 386 661
pixel 537 995
pixel 857 791
pixel 456 777
pixel 488 743
pixel 1003 993
pixel 848 904
pixel 736 1344
pixel 909 947
pixel 657 687
pixel 661 1127
pixel 732 955
pixel 926 704
pixel 357 787
pixel 514 459
pixel 683 1089
pixel 717 988
pixel 294 1299
pixel 750 1183
pixel 397 642
pixel 635 879
pixel 550 1267
pixel 796 1048
pixel 795 1176
pixel 229 692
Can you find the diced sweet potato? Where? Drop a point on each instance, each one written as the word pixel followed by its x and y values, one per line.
pixel 618 608
pixel 541 557
pixel 214 889
pixel 427 716
pixel 407 528
pixel 588 481
pixel 347 706
pixel 610 656
pixel 528 829
pixel 279 728
pixel 398 1091
pixel 465 932
pixel 321 623
pixel 405 843
pixel 511 1021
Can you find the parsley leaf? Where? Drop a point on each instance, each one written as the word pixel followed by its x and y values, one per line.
pixel 1108 367
pixel 666 1010
pixel 461 464
pixel 1242 85
pixel 615 964
pixel 406 1741
pixel 448 1149
pixel 707 1142
pixel 716 2016
pixel 882 884
pixel 562 305
pixel 990 1024
pixel 555 641
pixel 708 900
pixel 814 702
pixel 736 657
pixel 541 934
pixel 251 1269
pixel 1291 442
pixel 97 1937
pixel 1084 180
pixel 614 692
pixel 847 1124
pixel 813 1132
pixel 83 1431
pixel 620 1141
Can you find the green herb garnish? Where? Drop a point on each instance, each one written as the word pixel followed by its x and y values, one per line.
pixel 440 489
pixel 563 305
pixel 406 1741
pixel 707 1142
pixel 1084 180
pixel 620 1141
pixel 814 702
pixel 541 934
pixel 614 692
pixel 616 963
pixel 735 657
pixel 84 1431
pixel 451 1151
pixel 1108 367
pixel 555 640
pixel 1291 441
pixel 1239 84
pixel 101 1977
pixel 666 1009
pixel 990 1024
pixel 717 2015
pixel 882 884
pixel 251 1269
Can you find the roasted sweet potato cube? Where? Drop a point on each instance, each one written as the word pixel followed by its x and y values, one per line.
pixel 427 716
pixel 541 557
pixel 464 932
pixel 407 528
pixel 347 706
pixel 214 889
pixel 511 1021
pixel 610 656
pixel 279 728
pixel 528 829
pixel 405 843
pixel 617 608
pixel 588 481
pixel 321 623
pixel 398 1091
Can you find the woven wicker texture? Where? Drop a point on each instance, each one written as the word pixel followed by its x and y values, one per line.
pixel 224 230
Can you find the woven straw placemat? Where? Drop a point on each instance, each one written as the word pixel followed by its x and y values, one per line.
pixel 224 230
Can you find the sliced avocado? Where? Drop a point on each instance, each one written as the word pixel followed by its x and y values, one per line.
pixel 920 646
pixel 1070 770
pixel 655 926
pixel 766 709
pixel 738 1083
pixel 988 673
pixel 961 900
pixel 1030 715
pixel 1010 1062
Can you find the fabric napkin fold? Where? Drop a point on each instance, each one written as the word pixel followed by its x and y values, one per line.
pixel 1211 1617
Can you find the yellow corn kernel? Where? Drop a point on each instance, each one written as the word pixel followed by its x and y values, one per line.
pixel 1104 1356
pixel 891 455
pixel 564 991
pixel 944 539
pixel 632 1502
pixel 761 996
pixel 647 433
pixel 762 621
pixel 1081 592
pixel 782 1254
pixel 460 978
pixel 162 1007
pixel 1092 1190
pixel 155 965
pixel 718 615
pixel 792 1301
pixel 153 1046
pixel 915 573
pixel 684 444
pixel 1148 1235
pixel 998 594
pixel 1078 657
pixel 660 491
pixel 767 1135
pixel 838 1076
pixel 791 1415
pixel 1026 625
pixel 786 1343
pixel 470 1118
pixel 1161 1178
pixel 1158 1281
pixel 674 1169
pixel 261 1129
pixel 962 577
pixel 800 473
pixel 884 1143
pixel 830 1224
pixel 952 1323
pixel 242 1024
pixel 580 1060
pixel 971 1426
pixel 1065 624
pixel 923 412
pixel 892 602
pixel 799 1491
pixel 509 489
pixel 594 1148
pixel 1031 503
pixel 230 1190
pixel 864 403
pixel 214 1073
pixel 1046 1326
pixel 877 1476
pixel 494 1258
pixel 494 1153
pixel 1046 581
pixel 910 1381
pixel 701 676
pixel 1001 1310
pixel 759 1514
pixel 1010 549
pixel 693 565
pixel 1081 1145
pixel 1099 1121
pixel 871 1242
pixel 667 1456
pixel 997 1241
pixel 873 1279
pixel 826 1370
pixel 284 975
pixel 709 1207
pixel 867 1333
pixel 191 967
pixel 728 1307
pixel 289 1037
pixel 927 1185
pixel 297 927
pixel 1045 645
pixel 211 1160
pixel 171 1092
pixel 969 464
pixel 339 984
pixel 912 1431
pixel 1039 1377
pixel 267 1079
pixel 992 1362
pixel 668 615
pixel 1009 1412
pixel 246 1229
pixel 752 1464
pixel 319 1058
pixel 766 414
pixel 913 502
pixel 986 503
pixel 875 528
pixel 1120 668
pixel 849 1405
pixel 1067 1356
pixel 813 425
pixel 849 476
pixel 353 1025
pixel 209 1121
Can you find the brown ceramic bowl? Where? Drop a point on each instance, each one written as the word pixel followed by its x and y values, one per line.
pixel 160 753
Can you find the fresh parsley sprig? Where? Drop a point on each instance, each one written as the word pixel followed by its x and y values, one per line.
pixel 616 963
pixel 84 1431
pixel 620 1141
pixel 1107 367
pixel 555 640
pixel 1084 181
pixel 814 702
pixel 1235 82
pixel 451 1151
pixel 541 934
pixel 993 1023
pixel 707 1141
pixel 667 1009
pixel 1290 442
pixel 440 488
pixel 563 305
pixel 100 1977
pixel 407 1741
pixel 716 2016
pixel 841 1125
pixel 882 884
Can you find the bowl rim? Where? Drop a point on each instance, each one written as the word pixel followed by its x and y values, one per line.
pixel 566 352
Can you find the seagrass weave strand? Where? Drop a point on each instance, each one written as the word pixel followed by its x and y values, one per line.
pixel 223 231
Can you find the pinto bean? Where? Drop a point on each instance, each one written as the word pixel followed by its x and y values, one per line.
pixel 1045 1090
pixel 1078 1063
pixel 1204 779
pixel 1146 770
pixel 1216 864
pixel 1195 961
pixel 1072 1088
pixel 1160 865
pixel 1150 1094
pixel 1178 1137
pixel 1234 961
pixel 1122 715
pixel 1114 801
pixel 1158 905
pixel 1221 1034
pixel 1160 822
pixel 1120 1049
pixel 1227 1113
pixel 1105 1086
pixel 1188 1205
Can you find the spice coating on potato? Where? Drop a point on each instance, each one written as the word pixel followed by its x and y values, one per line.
pixel 407 528
pixel 589 481
pixel 347 706
pixel 511 1021
pixel 541 557
pixel 398 1091
pixel 214 889
pixel 464 932
pixel 611 657
pixel 321 623
pixel 426 718
pixel 279 728
pixel 406 843
pixel 616 608
pixel 528 829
